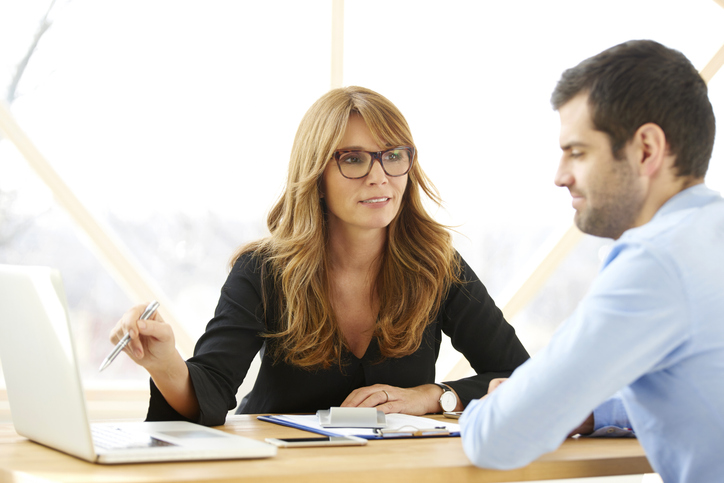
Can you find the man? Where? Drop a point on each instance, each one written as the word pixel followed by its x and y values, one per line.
pixel 645 347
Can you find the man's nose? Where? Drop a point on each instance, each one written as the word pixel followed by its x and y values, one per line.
pixel 563 176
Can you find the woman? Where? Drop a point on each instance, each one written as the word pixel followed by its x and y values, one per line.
pixel 346 299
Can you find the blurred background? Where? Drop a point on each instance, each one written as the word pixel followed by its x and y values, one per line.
pixel 172 124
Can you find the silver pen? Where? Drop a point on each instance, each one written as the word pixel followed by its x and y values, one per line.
pixel 150 310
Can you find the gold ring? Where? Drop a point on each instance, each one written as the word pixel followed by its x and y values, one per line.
pixel 388 396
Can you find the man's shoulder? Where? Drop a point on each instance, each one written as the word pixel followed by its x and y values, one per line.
pixel 677 254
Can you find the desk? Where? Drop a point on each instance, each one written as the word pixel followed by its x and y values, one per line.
pixel 420 460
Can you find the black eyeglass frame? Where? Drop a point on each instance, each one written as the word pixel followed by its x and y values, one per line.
pixel 376 156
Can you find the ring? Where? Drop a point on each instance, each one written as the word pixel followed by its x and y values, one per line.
pixel 388 396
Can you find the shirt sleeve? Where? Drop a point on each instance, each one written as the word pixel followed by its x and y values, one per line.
pixel 479 331
pixel 611 420
pixel 224 352
pixel 634 315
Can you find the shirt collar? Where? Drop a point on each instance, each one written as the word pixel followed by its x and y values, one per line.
pixel 692 197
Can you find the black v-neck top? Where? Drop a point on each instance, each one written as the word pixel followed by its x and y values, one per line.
pixel 232 339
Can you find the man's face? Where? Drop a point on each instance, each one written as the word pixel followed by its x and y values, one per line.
pixel 607 193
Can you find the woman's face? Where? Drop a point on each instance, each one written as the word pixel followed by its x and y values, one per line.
pixel 368 203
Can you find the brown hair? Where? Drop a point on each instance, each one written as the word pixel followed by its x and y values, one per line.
pixel 642 81
pixel 418 264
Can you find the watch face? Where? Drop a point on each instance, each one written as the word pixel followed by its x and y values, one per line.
pixel 448 401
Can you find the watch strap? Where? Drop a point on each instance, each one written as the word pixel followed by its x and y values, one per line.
pixel 445 389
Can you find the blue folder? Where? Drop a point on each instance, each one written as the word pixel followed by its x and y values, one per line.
pixel 401 433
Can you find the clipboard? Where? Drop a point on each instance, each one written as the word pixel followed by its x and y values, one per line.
pixel 400 426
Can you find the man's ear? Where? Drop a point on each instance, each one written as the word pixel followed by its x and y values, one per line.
pixel 651 149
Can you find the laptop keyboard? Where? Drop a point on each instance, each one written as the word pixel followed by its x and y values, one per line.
pixel 105 437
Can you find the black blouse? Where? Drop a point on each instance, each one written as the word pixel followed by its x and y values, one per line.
pixel 232 339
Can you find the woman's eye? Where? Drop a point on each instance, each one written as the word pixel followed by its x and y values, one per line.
pixel 394 155
pixel 351 159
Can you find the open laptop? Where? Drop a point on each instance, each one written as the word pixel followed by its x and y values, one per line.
pixel 47 402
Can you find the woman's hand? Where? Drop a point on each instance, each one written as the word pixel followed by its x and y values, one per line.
pixel 152 344
pixel 493 385
pixel 390 399
pixel 153 347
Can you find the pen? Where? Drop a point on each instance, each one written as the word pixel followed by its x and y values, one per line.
pixel 412 431
pixel 150 310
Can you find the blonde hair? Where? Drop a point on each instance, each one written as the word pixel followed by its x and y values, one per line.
pixel 418 264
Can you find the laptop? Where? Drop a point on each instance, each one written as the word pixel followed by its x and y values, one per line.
pixel 46 397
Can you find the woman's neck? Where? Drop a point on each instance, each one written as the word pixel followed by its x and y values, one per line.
pixel 356 250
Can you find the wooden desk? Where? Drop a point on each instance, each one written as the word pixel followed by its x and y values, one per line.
pixel 423 460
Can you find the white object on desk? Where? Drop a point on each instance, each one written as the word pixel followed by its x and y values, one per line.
pixel 337 417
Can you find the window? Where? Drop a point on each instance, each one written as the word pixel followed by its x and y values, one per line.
pixel 172 122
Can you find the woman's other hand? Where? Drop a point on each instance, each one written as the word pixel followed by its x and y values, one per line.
pixel 416 401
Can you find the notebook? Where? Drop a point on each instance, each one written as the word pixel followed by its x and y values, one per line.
pixel 46 396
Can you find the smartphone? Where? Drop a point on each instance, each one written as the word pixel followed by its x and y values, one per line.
pixel 452 414
pixel 317 441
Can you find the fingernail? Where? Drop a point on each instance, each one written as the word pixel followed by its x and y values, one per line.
pixel 141 324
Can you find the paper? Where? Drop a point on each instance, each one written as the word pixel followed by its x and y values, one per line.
pixel 394 421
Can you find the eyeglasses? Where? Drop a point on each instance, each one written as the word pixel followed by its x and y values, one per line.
pixel 358 164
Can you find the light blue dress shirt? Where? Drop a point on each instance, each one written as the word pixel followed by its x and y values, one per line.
pixel 651 332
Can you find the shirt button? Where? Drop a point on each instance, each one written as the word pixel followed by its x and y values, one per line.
pixel 610 430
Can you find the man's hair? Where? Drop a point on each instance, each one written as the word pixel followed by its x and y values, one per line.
pixel 642 81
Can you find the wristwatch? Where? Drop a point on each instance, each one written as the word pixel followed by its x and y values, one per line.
pixel 448 400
